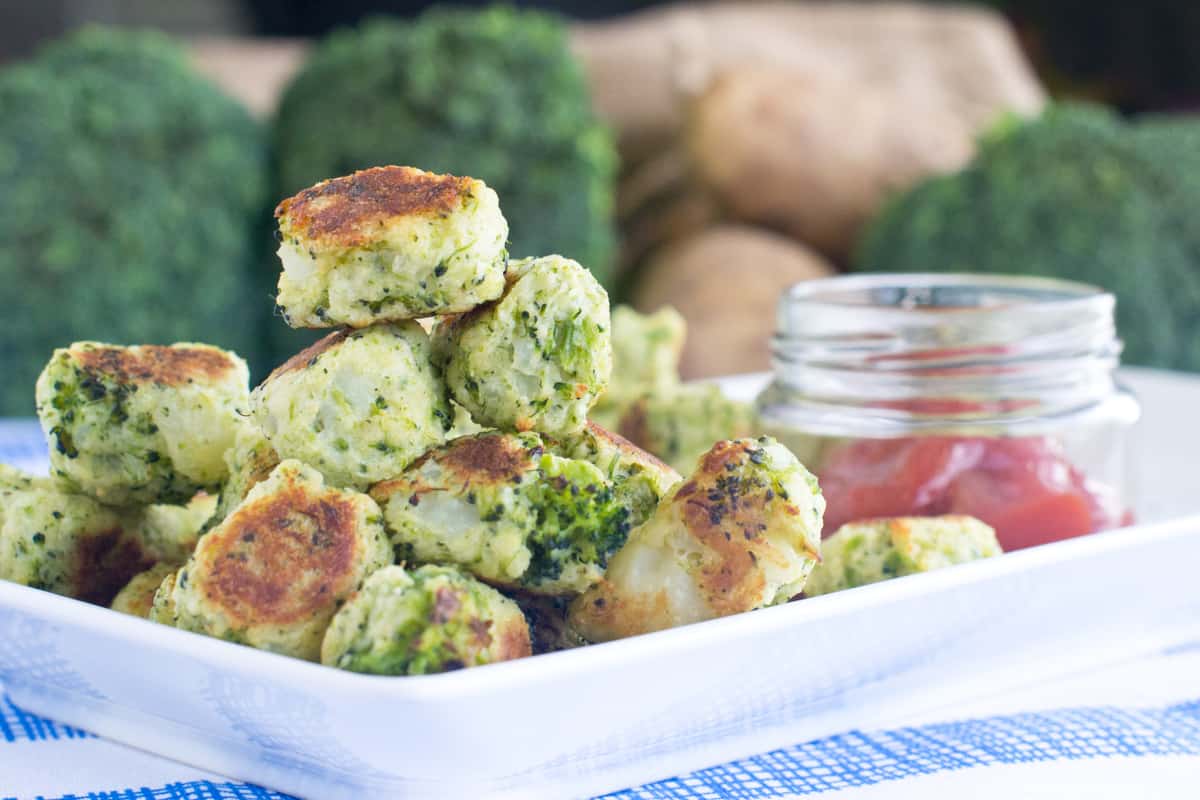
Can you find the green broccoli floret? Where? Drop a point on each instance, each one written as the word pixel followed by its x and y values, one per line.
pixel 131 193
pixel 579 519
pixel 1076 193
pixel 494 94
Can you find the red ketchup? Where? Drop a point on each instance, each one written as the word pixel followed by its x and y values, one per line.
pixel 1025 488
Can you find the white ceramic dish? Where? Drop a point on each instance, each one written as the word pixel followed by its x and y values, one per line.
pixel 582 722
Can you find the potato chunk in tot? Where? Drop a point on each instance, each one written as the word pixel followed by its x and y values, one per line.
pixel 742 532
pixel 432 619
pixel 273 573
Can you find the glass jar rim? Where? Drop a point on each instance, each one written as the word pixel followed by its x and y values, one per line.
pixel 1055 295
pixel 928 348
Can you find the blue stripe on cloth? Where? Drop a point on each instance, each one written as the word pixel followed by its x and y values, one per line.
pixel 16 724
pixel 837 762
pixel 862 759
pixel 192 790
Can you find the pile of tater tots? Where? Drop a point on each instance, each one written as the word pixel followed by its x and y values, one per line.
pixel 420 490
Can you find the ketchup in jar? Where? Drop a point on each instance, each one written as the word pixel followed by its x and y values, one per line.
pixel 990 396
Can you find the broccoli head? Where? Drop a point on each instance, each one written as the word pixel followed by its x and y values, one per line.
pixel 494 94
pixel 1076 193
pixel 131 193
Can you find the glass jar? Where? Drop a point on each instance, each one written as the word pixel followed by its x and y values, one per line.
pixel 991 396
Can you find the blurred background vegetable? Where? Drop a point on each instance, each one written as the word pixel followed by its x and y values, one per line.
pixel 1077 193
pixel 756 144
pixel 510 107
pixel 494 94
pixel 133 192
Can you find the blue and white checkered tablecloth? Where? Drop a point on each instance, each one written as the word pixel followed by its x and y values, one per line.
pixel 1127 730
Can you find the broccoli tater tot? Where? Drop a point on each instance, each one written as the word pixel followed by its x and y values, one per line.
pixel 249 462
pixel 66 543
pixel 356 405
pixel 646 351
pixel 273 573
pixel 679 424
pixel 162 605
pixel 169 533
pixel 503 508
pixel 743 532
pixel 537 358
pixel 137 598
pixel 145 424
pixel 13 479
pixel 433 619
pixel 386 244
pixel 639 479
pixel 546 617
pixel 875 550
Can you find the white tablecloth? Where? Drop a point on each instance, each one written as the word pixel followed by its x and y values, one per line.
pixel 1126 730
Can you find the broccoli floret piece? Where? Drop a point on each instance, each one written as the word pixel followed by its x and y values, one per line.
pixel 1075 193
pixel 1171 143
pixel 131 193
pixel 494 94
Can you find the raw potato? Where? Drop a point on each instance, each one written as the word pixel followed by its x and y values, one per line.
pixel 726 282
pixel 254 71
pixel 646 68
pixel 803 116
pixel 661 199
pixel 815 155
